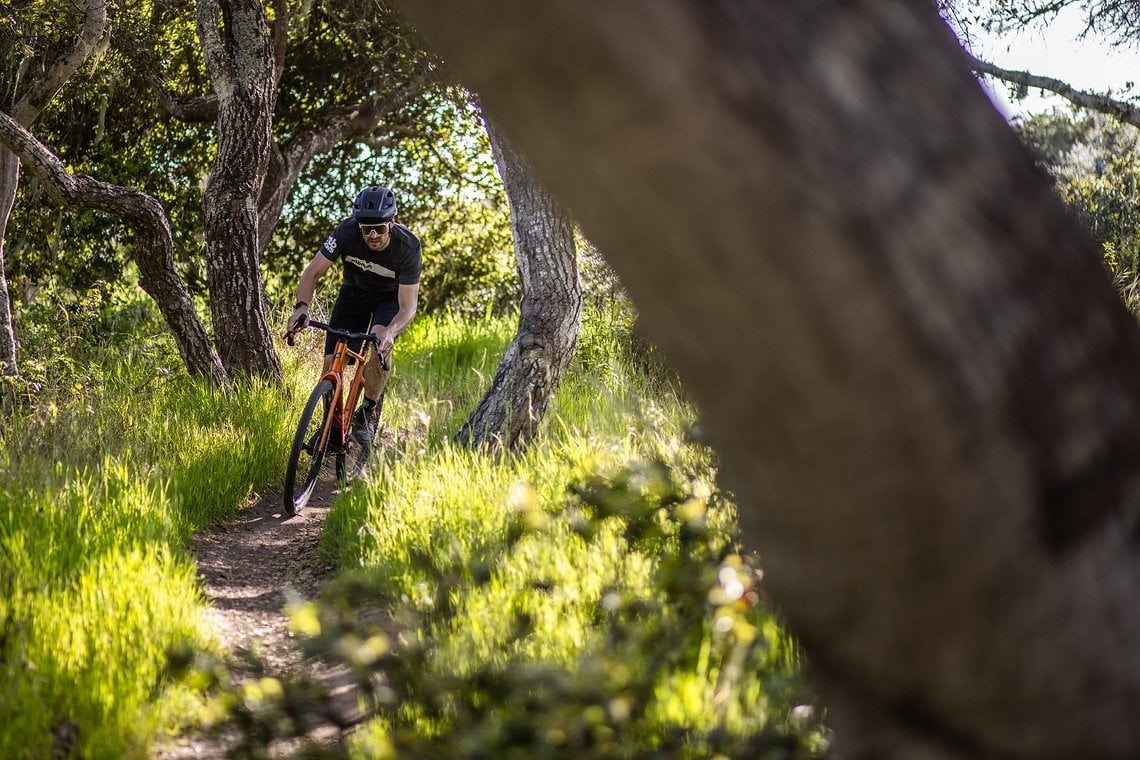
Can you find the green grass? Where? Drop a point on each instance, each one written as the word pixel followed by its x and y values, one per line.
pixel 568 584
pixel 109 465
pixel 501 566
pixel 95 592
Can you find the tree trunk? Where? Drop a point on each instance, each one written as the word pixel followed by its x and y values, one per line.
pixel 9 181
pixel 240 59
pixel 921 383
pixel 25 111
pixel 154 249
pixel 532 368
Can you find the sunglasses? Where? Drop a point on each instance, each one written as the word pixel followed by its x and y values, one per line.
pixel 379 229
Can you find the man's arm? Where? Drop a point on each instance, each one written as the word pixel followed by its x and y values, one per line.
pixel 307 287
pixel 408 296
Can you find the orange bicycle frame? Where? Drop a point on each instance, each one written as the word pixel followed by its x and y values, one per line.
pixel 341 411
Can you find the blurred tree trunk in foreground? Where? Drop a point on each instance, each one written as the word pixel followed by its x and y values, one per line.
pixel 923 388
pixel 531 370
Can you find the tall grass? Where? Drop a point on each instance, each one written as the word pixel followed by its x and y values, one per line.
pixel 109 462
pixel 437 534
pixel 569 563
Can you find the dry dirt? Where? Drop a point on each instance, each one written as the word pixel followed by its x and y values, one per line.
pixel 246 570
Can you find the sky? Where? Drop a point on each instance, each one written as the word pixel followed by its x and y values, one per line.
pixel 1088 64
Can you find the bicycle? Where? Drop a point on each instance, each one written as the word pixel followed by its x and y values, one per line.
pixel 319 433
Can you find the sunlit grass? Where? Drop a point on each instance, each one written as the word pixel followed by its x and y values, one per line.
pixel 439 511
pixel 108 469
pixel 109 472
pixel 95 590
pixel 443 365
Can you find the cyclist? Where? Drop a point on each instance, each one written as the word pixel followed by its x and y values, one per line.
pixel 381 262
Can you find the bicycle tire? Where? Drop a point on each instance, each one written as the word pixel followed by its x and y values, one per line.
pixel 351 464
pixel 310 424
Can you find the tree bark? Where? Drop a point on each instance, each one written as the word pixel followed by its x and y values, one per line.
pixel 239 56
pixel 9 182
pixel 154 249
pixel 25 111
pixel 921 383
pixel 531 370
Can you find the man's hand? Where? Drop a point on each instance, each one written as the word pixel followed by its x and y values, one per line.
pixel 298 320
pixel 386 339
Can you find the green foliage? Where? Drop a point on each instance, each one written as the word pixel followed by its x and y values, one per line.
pixel 587 598
pixel 35 33
pixel 432 150
pixel 94 593
pixel 449 196
pixel 108 123
pixel 1053 136
pixel 601 287
pixel 1096 163
pixel 111 457
pixel 620 624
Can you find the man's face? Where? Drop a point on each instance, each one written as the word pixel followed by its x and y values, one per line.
pixel 377 235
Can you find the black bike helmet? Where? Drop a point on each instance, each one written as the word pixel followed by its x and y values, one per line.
pixel 374 204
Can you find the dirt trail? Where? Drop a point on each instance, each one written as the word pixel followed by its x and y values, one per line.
pixel 245 569
pixel 247 566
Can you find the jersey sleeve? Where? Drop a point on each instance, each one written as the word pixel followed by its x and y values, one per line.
pixel 410 274
pixel 329 247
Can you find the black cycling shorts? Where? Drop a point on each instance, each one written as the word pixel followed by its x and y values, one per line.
pixel 357 310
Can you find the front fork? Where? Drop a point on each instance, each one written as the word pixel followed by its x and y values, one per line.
pixel 333 431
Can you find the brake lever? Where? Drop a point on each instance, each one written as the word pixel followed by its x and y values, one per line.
pixel 291 334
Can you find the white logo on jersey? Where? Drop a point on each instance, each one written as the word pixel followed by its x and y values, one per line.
pixel 330 244
pixel 368 266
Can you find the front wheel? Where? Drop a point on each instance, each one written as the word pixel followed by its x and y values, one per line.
pixel 308 452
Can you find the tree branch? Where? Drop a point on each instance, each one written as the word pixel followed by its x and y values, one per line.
pixel 218 61
pixel 280 38
pixel 188 108
pixel 362 118
pixel 1105 104
pixel 390 138
pixel 45 88
pixel 194 109
pixel 153 246
pixel 356 121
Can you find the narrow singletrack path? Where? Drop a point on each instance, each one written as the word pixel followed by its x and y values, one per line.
pixel 247 568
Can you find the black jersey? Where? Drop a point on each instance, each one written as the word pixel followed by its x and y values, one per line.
pixel 375 271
